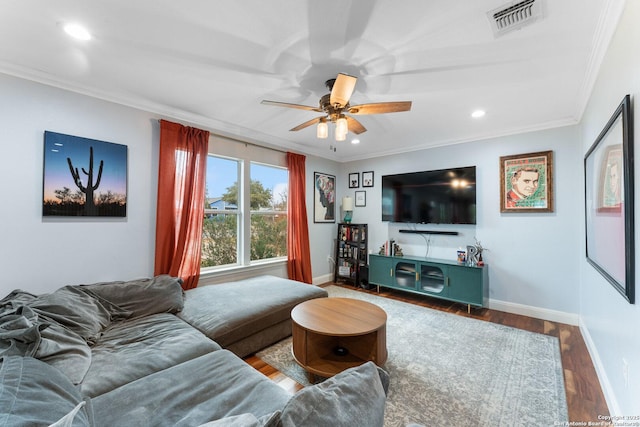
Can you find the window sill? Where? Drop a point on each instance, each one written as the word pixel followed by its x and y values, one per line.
pixel 275 267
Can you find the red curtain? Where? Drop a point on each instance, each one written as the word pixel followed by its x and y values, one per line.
pixel 181 192
pixel 298 252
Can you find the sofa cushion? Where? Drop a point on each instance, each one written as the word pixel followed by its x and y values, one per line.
pixel 357 395
pixel 232 311
pixel 74 309
pixel 132 349
pixel 33 393
pixel 142 297
pixel 212 387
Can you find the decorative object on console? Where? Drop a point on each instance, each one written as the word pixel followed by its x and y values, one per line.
pixel 75 185
pixel 347 208
pixel 526 182
pixel 354 180
pixel 609 206
pixel 390 248
pixel 472 255
pixel 367 179
pixel 361 199
pixel 324 197
pixel 480 249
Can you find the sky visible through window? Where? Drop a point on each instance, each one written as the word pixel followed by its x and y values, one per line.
pixel 223 173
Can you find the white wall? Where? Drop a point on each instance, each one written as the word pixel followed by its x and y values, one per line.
pixel 532 258
pixel 610 324
pixel 41 255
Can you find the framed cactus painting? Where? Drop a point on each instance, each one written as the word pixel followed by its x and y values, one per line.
pixel 83 177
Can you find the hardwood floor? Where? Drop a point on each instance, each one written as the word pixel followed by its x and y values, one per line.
pixel 585 399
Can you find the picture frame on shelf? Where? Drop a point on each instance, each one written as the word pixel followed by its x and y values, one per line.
pixel 361 198
pixel 526 182
pixel 324 197
pixel 367 179
pixel 609 202
pixel 354 180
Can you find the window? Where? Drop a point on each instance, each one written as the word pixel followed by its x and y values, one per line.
pixel 268 195
pixel 246 222
pixel 220 228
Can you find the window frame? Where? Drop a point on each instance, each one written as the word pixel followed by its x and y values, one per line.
pixel 245 154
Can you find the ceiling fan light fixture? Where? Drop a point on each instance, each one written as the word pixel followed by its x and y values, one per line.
pixel 342 128
pixel 322 131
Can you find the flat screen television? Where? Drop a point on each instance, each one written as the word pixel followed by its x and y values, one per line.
pixel 446 196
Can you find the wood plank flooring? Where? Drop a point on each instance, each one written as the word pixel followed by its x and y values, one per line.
pixel 585 399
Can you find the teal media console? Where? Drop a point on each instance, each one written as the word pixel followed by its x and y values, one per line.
pixel 437 278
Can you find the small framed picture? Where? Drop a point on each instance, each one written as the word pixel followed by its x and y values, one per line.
pixel 367 179
pixel 361 198
pixel 354 180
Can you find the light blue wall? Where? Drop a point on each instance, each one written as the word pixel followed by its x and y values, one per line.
pixel 533 259
pixel 41 255
pixel 610 325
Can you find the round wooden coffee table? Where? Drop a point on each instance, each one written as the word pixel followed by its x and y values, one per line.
pixel 333 334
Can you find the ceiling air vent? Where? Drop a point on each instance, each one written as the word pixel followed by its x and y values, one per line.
pixel 513 16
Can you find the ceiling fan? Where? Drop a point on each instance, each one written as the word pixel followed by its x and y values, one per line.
pixel 335 106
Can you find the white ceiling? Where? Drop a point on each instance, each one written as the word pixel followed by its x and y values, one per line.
pixel 210 63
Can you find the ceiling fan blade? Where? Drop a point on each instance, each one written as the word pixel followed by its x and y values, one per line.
pixel 355 126
pixel 380 108
pixel 287 105
pixel 342 89
pixel 306 124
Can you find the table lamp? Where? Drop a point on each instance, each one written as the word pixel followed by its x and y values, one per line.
pixel 347 208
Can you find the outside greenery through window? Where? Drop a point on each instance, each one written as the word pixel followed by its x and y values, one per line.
pixel 224 237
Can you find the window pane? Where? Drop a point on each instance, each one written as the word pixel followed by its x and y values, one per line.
pixel 220 230
pixel 268 236
pixel 219 240
pixel 269 193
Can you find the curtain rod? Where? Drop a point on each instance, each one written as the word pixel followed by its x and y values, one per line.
pixel 241 141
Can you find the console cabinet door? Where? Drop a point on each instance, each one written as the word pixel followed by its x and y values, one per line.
pixel 405 274
pixel 434 279
pixel 466 285
pixel 380 270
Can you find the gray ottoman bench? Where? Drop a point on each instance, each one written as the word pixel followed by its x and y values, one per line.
pixel 247 315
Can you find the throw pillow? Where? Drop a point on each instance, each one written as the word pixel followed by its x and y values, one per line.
pixel 74 309
pixel 142 297
pixel 355 397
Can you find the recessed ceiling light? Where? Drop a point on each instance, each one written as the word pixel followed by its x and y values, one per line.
pixel 355 141
pixel 77 31
pixel 477 114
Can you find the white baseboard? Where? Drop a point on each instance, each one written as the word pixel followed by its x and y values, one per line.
pixel 322 279
pixel 537 312
pixel 609 395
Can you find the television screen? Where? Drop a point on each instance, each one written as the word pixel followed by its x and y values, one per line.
pixel 446 196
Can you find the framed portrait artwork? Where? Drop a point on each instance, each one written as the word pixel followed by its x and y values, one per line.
pixel 324 197
pixel 609 205
pixel 83 177
pixel 361 198
pixel 367 179
pixel 354 180
pixel 526 182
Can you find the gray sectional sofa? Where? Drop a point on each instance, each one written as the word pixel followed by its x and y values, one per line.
pixel 146 353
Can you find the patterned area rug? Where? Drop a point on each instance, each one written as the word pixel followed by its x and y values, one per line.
pixel 448 370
